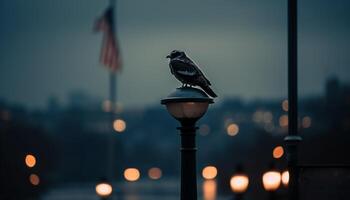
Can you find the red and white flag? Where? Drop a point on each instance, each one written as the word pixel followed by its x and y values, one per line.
pixel 110 52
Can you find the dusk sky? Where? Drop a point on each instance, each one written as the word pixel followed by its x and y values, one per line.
pixel 48 47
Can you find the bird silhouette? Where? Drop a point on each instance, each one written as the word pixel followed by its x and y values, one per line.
pixel 187 72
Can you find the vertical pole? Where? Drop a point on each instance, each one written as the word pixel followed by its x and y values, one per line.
pixel 292 139
pixel 188 162
pixel 113 99
pixel 238 197
pixel 292 67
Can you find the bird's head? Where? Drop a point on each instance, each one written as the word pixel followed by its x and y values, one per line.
pixel 175 53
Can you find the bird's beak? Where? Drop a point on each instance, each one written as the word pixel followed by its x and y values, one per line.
pixel 168 56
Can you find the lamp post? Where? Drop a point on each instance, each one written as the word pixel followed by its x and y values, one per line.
pixel 239 183
pixel 104 190
pixel 187 105
pixel 271 182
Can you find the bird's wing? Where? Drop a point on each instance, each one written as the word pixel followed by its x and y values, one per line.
pixel 190 62
pixel 171 68
pixel 184 68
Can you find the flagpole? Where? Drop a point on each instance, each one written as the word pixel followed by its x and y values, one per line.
pixel 113 100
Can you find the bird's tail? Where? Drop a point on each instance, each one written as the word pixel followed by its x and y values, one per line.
pixel 209 91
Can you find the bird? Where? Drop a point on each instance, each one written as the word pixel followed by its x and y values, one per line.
pixel 187 72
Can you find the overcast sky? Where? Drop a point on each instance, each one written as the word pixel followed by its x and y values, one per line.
pixel 47 47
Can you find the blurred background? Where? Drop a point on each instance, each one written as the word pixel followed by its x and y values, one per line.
pixel 55 124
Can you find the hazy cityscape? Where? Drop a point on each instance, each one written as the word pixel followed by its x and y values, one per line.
pixel 70 142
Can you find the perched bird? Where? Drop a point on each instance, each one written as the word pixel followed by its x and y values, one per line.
pixel 187 72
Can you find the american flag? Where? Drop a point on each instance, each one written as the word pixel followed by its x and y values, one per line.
pixel 110 52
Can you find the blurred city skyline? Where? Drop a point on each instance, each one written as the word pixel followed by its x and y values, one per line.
pixel 48 47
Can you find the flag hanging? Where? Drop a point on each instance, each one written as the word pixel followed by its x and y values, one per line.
pixel 110 52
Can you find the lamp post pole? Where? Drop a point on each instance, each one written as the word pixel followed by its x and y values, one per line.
pixel 292 140
pixel 238 197
pixel 188 160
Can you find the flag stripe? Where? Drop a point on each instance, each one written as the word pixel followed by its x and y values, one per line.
pixel 110 53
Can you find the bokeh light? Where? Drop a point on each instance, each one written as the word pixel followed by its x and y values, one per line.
pixel 119 125
pixel 34 179
pixel 267 117
pixel 209 172
pixel 285 178
pixel 103 189
pixel 132 174
pixel 204 129
pixel 271 180
pixel 258 116
pixel 107 106
pixel 232 129
pixel 285 105
pixel 283 121
pixel 209 190
pixel 155 173
pixel 30 160
pixel 278 152
pixel 239 183
pixel 306 122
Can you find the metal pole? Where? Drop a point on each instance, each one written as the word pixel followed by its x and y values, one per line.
pixel 112 93
pixel 238 197
pixel 113 99
pixel 292 139
pixel 272 195
pixel 188 161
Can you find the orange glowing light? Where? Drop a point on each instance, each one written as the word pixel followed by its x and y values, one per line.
pixel 271 180
pixel 306 122
pixel 103 189
pixel 209 190
pixel 285 105
pixel 155 173
pixel 132 174
pixel 278 152
pixel 283 121
pixel 232 129
pixel 209 172
pixel 119 125
pixel 34 179
pixel 30 160
pixel 285 178
pixel 239 183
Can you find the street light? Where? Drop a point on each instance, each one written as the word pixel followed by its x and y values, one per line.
pixel 187 105
pixel 239 183
pixel 271 182
pixel 209 172
pixel 285 178
pixel 103 190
